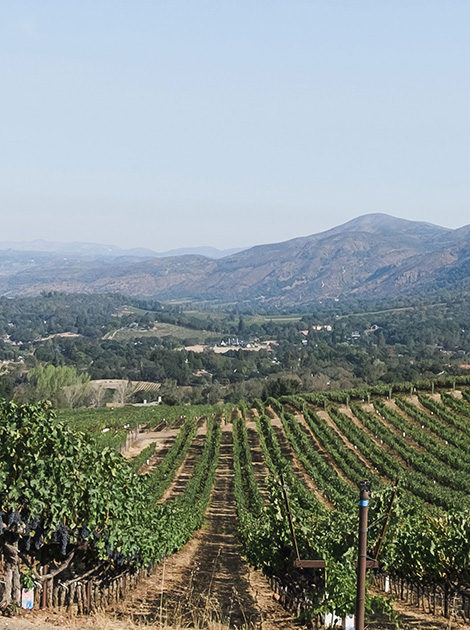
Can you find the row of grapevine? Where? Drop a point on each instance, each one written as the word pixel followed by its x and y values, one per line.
pixel 335 489
pixel 320 533
pixel 428 546
pixel 143 457
pixel 161 476
pixel 434 424
pixel 427 470
pixel 450 455
pixel 448 416
pixel 68 503
pixel 279 466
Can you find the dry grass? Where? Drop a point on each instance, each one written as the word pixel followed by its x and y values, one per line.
pixel 43 620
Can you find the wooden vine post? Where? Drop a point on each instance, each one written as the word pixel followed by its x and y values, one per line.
pixel 45 570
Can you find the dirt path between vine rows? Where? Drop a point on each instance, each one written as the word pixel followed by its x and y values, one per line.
pixel 208 581
pixel 185 471
pixel 410 619
pixel 164 439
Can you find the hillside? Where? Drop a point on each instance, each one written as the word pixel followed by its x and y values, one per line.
pixel 198 508
pixel 373 255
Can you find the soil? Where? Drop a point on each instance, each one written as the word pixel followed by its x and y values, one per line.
pixel 163 438
pixel 412 619
pixel 273 617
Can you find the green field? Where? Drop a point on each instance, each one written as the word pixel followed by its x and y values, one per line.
pixel 161 330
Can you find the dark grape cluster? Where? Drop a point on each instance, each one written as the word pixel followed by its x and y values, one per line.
pixel 38 537
pixel 29 533
pixel 13 518
pixel 84 532
pixel 62 536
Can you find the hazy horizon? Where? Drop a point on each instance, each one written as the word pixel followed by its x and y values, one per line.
pixel 201 246
pixel 192 123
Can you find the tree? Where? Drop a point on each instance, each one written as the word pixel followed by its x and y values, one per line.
pixel 278 387
pixel 62 385
pixel 124 392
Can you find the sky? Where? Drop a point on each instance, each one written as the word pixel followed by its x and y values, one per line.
pixel 182 123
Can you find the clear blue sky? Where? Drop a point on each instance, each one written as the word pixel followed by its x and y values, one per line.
pixel 170 123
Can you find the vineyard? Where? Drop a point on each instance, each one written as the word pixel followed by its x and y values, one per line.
pixel 181 513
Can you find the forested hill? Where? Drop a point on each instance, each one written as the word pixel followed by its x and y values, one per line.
pixel 374 256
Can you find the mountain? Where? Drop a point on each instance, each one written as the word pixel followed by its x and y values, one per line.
pixel 208 252
pixel 372 255
pixel 99 250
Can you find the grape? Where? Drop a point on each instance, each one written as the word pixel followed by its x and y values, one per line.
pixel 62 536
pixel 84 532
pixel 37 538
pixel 38 542
pixel 34 523
pixel 14 518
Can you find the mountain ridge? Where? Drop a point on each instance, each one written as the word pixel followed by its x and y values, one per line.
pixel 376 254
pixel 105 250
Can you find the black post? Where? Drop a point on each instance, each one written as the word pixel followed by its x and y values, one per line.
pixel 289 517
pixel 364 487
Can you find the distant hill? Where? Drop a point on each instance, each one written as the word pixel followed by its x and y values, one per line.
pixel 373 255
pixel 98 250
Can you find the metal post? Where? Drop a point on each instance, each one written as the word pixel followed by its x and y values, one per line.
pixel 364 487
